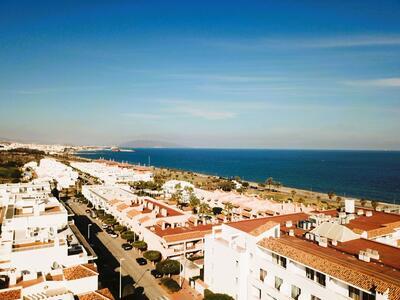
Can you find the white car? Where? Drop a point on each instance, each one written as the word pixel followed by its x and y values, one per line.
pixel 114 235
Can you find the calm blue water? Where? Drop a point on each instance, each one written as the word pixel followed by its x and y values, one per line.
pixel 369 174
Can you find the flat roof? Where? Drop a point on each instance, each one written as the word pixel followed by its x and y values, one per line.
pixel 182 233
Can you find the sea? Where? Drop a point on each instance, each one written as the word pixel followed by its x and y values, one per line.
pixel 361 174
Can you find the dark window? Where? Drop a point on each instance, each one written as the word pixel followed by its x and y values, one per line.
pixel 354 293
pixel 321 279
pixel 310 273
pixel 295 292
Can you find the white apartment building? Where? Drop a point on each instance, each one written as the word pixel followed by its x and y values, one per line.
pixel 113 174
pixel 272 258
pixel 164 228
pixel 178 186
pixel 249 207
pixel 50 169
pixel 42 254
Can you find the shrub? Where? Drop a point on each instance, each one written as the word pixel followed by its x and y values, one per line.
pixel 208 295
pixel 140 245
pixel 217 210
pixel 128 235
pixel 153 256
pixel 170 284
pixel 110 221
pixel 119 228
pixel 169 267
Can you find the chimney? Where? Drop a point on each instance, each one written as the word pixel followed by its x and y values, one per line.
pixel 323 242
pixel 349 206
pixel 291 232
pixel 334 242
pixel 12 276
pixel 289 224
pixel 363 255
pixel 368 213
pixel 360 212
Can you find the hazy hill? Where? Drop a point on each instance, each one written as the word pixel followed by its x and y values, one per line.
pixel 149 144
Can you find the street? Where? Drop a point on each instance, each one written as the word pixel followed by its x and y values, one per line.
pixel 136 280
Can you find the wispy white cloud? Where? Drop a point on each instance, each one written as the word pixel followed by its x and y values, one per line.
pixel 41 91
pixel 340 41
pixel 146 116
pixel 379 82
pixel 200 109
pixel 224 77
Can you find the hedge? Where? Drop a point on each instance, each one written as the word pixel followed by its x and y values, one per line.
pixel 170 284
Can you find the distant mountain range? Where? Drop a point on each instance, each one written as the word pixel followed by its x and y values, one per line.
pixel 149 144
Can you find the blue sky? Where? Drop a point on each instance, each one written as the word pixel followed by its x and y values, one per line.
pixel 272 74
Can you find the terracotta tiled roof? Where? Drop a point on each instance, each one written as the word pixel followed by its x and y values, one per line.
pixel 183 233
pixel 80 271
pixel 132 213
pixel 103 294
pixel 250 225
pixel 144 219
pixel 11 294
pixel 122 206
pixel 339 265
pixel 262 228
pixel 114 201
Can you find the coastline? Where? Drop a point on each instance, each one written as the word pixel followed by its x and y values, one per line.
pixel 283 189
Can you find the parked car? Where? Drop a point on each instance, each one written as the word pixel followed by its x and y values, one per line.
pixel 156 274
pixel 141 261
pixel 109 230
pixel 105 226
pixel 113 235
pixel 88 211
pixel 126 246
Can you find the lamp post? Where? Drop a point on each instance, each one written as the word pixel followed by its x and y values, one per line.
pixel 120 277
pixel 88 231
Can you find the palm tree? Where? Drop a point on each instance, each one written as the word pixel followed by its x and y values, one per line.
pixel 293 193
pixel 204 208
pixel 363 202
pixel 318 201
pixel 331 195
pixel 194 202
pixel 338 199
pixel 228 208
pixel 269 182
pixel 374 204
pixel 277 185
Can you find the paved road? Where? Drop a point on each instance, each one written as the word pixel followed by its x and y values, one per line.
pixel 140 274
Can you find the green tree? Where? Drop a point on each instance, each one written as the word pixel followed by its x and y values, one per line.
pixel 331 195
pixel 293 194
pixel 374 204
pixel 194 202
pixel 338 199
pixel 363 202
pixel 128 236
pixel 217 210
pixel 204 208
pixel 170 284
pixel 228 207
pixel 140 245
pixel 269 182
pixel 119 228
pixel 169 267
pixel 152 255
pixel 209 295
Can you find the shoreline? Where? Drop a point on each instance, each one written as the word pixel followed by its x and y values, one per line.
pixel 283 189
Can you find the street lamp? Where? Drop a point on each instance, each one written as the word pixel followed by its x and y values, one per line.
pixel 120 277
pixel 88 231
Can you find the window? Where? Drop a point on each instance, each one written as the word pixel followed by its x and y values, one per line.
pixel 279 260
pixel 278 283
pixel 295 292
pixel 316 276
pixel 315 297
pixel 263 274
pixel 321 279
pixel 310 273
pixel 354 293
pixel 366 296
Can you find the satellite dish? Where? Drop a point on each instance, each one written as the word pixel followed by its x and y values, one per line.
pixel 55 265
